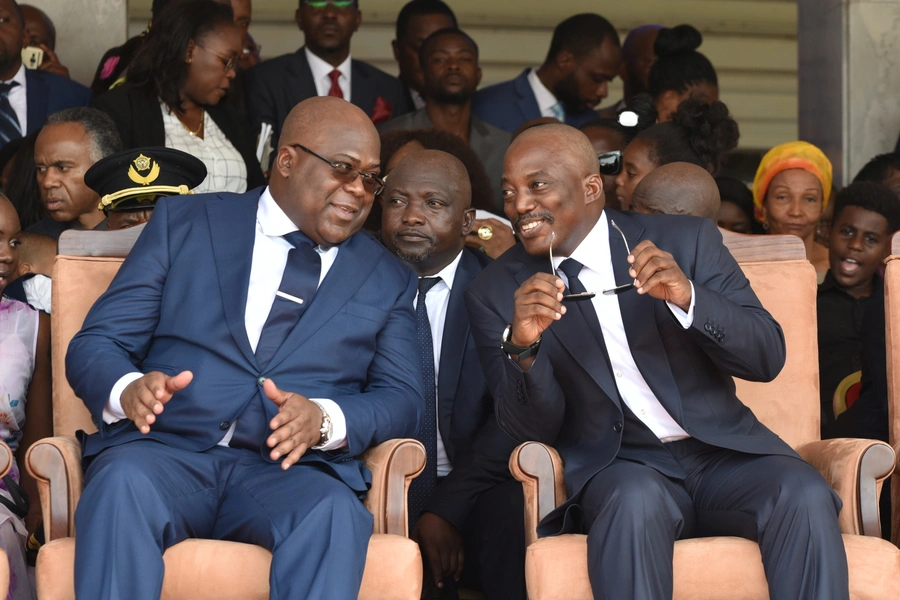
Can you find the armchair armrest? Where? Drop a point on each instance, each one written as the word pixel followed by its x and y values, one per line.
pixel 856 470
pixel 394 464
pixel 55 463
pixel 540 469
pixel 6 459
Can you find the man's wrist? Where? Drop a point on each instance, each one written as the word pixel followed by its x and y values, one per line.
pixel 326 429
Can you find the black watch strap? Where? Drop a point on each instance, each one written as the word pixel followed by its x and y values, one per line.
pixel 521 352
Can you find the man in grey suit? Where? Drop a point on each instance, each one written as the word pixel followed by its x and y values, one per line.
pixel 449 60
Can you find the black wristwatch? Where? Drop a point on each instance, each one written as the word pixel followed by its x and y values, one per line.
pixel 522 352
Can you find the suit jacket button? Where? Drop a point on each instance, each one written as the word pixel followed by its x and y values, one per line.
pixel 261 380
pixel 224 425
pixel 707 328
pixel 617 426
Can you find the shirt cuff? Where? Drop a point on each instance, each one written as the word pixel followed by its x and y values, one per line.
pixel 113 411
pixel 338 425
pixel 685 318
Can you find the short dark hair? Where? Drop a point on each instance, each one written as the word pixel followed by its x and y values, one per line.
pixel 427 42
pixel 420 8
pixel 879 168
pixel 158 68
pixel 580 34
pixel 642 105
pixel 99 126
pixel 699 133
pixel 678 65
pixel 870 196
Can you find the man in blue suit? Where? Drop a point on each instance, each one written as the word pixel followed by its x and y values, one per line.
pixel 28 96
pixel 584 57
pixel 226 411
pixel 469 509
pixel 634 384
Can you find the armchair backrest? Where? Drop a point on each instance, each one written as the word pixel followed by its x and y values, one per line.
pixel 892 344
pixel 785 283
pixel 85 266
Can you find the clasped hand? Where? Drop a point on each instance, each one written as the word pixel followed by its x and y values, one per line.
pixel 295 429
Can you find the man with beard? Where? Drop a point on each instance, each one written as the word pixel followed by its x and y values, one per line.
pixel 584 57
pixel 417 20
pixel 27 96
pixel 637 58
pixel 449 60
pixel 471 528
pixel 323 67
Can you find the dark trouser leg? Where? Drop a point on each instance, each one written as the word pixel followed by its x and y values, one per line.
pixel 139 499
pixel 633 515
pixel 316 527
pixel 494 539
pixel 781 502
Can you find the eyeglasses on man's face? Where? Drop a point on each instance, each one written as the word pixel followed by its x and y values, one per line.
pixel 347 174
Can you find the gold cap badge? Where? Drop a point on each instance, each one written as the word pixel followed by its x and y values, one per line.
pixel 140 164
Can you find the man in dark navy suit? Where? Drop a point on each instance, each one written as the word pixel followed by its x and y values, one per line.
pixel 633 384
pixel 251 347
pixel 322 67
pixel 471 528
pixel 28 96
pixel 584 57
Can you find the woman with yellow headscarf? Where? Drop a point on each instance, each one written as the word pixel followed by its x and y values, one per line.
pixel 791 191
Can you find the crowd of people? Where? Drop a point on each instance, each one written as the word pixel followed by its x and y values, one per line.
pixel 348 216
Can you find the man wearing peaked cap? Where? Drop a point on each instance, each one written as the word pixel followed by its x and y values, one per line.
pixel 129 183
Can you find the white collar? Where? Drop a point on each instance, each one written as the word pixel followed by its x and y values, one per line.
pixel 273 221
pixel 19 77
pixel 320 69
pixel 448 273
pixel 593 251
pixel 545 98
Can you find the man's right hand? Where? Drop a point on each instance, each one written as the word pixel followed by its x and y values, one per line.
pixel 538 303
pixel 144 398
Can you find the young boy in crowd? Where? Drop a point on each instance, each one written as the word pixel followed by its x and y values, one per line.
pixel 865 215
pixel 37 254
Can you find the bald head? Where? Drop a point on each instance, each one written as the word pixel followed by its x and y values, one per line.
pixel 562 140
pixel 677 189
pixel 320 115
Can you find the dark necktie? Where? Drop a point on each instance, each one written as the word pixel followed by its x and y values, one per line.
pixel 10 129
pixel 423 486
pixel 335 90
pixel 296 291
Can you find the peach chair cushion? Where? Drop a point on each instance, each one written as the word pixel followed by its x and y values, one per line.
pixel 77 281
pixel 708 569
pixel 214 570
pixel 787 289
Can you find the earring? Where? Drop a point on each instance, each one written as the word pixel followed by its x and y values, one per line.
pixel 765 225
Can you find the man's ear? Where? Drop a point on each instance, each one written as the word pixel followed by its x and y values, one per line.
pixel 593 188
pixel 468 221
pixel 284 161
pixel 565 61
pixel 395 46
pixel 25 268
pixel 478 77
pixel 298 19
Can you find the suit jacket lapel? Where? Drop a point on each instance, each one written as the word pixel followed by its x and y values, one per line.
pixel 362 93
pixel 453 343
pixel 302 84
pixel 36 98
pixel 232 226
pixel 527 103
pixel 574 332
pixel 355 262
pixel 640 319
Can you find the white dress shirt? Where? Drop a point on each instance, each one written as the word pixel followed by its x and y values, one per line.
pixel 436 302
pixel 270 252
pixel 417 98
pixel 320 70
pixel 18 98
pixel 597 274
pixel 546 101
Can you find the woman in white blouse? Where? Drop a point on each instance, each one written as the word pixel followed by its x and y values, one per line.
pixel 174 90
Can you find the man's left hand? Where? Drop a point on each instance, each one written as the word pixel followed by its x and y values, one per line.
pixel 442 546
pixel 295 429
pixel 656 273
pixel 51 63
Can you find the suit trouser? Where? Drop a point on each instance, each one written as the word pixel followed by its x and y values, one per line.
pixel 143 497
pixel 634 514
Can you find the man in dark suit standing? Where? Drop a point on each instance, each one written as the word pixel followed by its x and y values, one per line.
pixel 417 20
pixel 469 509
pixel 634 385
pixel 584 57
pixel 27 96
pixel 322 67
pixel 231 406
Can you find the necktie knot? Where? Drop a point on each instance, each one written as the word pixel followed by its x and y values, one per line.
pixel 6 87
pixel 298 238
pixel 571 267
pixel 334 75
pixel 425 284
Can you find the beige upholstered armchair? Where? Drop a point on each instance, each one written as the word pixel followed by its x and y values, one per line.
pixel 6 461
pixel 195 569
pixel 729 567
pixel 892 346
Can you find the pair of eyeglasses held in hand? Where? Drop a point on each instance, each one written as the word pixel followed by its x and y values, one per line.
pixel 588 295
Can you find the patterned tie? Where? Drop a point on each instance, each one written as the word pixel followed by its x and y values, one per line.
pixel 423 486
pixel 335 90
pixel 299 282
pixel 559 113
pixel 10 129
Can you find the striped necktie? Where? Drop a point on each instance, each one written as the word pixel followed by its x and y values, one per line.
pixel 10 129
